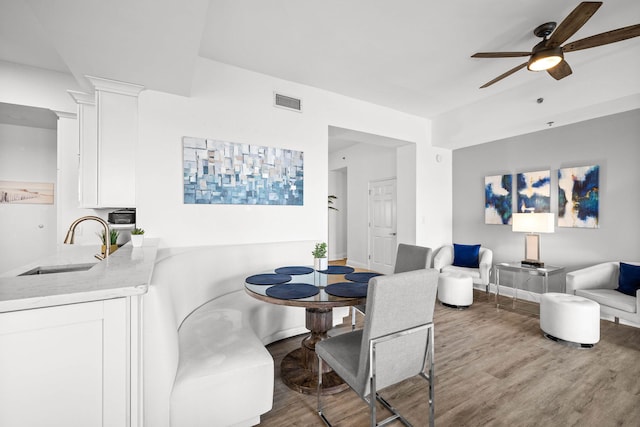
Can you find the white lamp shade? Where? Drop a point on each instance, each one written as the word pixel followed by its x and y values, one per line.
pixel 533 222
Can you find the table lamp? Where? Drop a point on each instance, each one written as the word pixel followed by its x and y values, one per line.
pixel 532 223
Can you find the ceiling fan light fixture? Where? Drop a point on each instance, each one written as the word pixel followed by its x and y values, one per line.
pixel 545 59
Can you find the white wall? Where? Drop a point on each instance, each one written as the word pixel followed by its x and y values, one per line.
pixel 611 142
pixel 338 224
pixel 406 194
pixel 236 105
pixel 28 230
pixel 433 191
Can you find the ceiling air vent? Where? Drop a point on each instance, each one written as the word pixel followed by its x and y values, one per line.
pixel 287 102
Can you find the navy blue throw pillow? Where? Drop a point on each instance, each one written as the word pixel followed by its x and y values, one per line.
pixel 629 279
pixel 466 255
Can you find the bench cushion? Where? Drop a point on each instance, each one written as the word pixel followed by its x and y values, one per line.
pixel 610 298
pixel 224 370
pixel 474 273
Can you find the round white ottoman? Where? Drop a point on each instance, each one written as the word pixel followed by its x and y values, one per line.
pixel 570 318
pixel 455 290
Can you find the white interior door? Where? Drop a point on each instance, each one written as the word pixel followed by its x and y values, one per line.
pixel 382 225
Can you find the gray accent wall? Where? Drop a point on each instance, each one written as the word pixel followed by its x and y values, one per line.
pixel 613 142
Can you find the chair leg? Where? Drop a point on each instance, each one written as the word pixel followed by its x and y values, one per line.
pixel 372 400
pixel 431 379
pixel 396 415
pixel 319 394
pixel 430 375
pixel 353 318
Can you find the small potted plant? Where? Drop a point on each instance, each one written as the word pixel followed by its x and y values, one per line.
pixel 113 241
pixel 137 237
pixel 320 256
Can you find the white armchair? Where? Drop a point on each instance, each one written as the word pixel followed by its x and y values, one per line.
pixel 443 261
pixel 599 283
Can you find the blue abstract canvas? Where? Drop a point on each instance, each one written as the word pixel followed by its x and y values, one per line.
pixel 534 190
pixel 497 199
pixel 223 172
pixel 578 197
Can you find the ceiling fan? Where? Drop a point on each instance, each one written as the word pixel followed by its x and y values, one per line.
pixel 549 54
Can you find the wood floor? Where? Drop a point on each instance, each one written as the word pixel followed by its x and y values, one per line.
pixel 494 368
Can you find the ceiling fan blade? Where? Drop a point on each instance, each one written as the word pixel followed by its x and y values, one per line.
pixel 502 76
pixel 499 54
pixel 560 71
pixel 573 22
pixel 604 38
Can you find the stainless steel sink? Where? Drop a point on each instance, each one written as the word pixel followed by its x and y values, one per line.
pixel 52 269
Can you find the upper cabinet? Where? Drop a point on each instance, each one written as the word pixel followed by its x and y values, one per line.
pixel 108 122
pixel 88 149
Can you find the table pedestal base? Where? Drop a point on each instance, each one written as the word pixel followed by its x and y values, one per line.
pixel 303 380
pixel 299 369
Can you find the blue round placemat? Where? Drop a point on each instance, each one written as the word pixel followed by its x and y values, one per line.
pixel 362 277
pixel 294 270
pixel 347 289
pixel 268 279
pixel 337 269
pixel 292 291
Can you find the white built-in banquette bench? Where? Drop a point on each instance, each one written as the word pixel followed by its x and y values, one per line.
pixel 205 362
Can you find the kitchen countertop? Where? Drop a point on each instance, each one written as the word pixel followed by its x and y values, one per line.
pixel 126 272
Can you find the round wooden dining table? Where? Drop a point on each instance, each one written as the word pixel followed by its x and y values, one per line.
pixel 299 368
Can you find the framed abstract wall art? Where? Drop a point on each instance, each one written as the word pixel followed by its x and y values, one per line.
pixel 578 196
pixel 20 192
pixel 534 190
pixel 223 172
pixel 497 199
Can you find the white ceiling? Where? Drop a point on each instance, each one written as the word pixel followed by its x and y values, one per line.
pixel 409 55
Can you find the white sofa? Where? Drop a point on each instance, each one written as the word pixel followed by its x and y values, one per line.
pixel 599 283
pixel 443 262
pixel 205 362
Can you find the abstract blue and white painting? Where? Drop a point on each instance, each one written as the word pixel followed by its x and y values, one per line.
pixel 534 190
pixel 497 199
pixel 578 197
pixel 223 172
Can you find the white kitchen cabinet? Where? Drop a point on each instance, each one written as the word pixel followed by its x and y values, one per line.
pixel 70 365
pixel 108 123
pixel 87 149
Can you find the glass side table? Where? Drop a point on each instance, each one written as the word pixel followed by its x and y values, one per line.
pixel 519 270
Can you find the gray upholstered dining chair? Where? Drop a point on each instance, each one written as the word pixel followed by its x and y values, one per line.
pixel 395 344
pixel 408 258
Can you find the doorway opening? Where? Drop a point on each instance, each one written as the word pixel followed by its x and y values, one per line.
pixel 356 160
pixel 28 154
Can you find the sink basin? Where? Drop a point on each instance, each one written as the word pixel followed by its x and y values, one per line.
pixel 52 269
